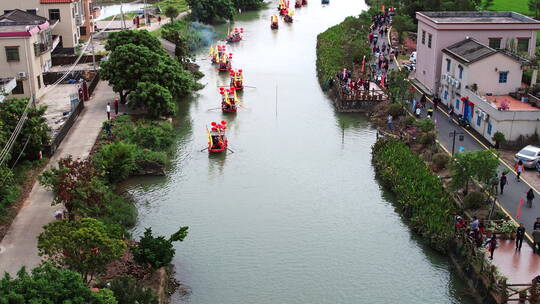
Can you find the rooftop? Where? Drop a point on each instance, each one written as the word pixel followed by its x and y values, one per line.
pixel 477 17
pixel 469 50
pixel 510 103
pixel 19 17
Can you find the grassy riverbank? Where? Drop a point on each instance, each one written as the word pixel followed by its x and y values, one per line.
pixel 342 45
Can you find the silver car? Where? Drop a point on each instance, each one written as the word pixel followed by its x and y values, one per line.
pixel 530 155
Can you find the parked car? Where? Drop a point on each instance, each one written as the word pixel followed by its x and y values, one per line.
pixel 530 155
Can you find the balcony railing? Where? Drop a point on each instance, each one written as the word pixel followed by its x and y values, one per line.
pixel 41 48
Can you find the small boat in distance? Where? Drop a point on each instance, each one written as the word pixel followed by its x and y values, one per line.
pixel 237 79
pixel 274 22
pixel 289 16
pixel 235 35
pixel 217 141
pixel 225 62
pixel 229 100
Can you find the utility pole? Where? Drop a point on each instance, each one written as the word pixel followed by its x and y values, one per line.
pixel 145 15
pixel 453 135
pixel 122 15
pixel 93 51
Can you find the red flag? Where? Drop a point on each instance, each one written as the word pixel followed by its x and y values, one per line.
pixel 519 208
pixel 363 64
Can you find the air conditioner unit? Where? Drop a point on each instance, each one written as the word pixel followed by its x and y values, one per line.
pixel 21 75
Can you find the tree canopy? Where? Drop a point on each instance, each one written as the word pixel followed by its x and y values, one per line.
pixel 157 251
pixel 480 165
pixel 136 37
pixel 402 24
pixel 209 11
pixel 85 246
pixel 171 12
pixel 156 99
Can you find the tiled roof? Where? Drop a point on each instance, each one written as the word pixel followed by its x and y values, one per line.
pixel 18 17
pixel 54 1
pixel 469 50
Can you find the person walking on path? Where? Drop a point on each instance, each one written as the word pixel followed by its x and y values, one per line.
pixel 430 113
pixel 417 112
pixel 389 121
pixel 423 101
pixel 519 169
pixel 159 20
pixel 536 224
pixel 536 239
pixel 436 102
pixel 503 181
pixel 492 245
pixel 520 234
pixel 115 103
pixel 530 197
pixel 108 111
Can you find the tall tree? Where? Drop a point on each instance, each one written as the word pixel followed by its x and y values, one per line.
pixel 402 24
pixel 157 251
pixel 171 12
pixel 136 37
pixel 480 165
pixel 209 10
pixel 534 6
pixel 156 99
pixel 85 246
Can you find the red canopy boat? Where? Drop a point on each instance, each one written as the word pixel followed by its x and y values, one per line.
pixel 289 16
pixel 229 100
pixel 274 22
pixel 237 79
pixel 217 141
pixel 225 62
pixel 235 35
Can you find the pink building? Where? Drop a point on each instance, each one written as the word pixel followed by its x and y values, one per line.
pixel 498 30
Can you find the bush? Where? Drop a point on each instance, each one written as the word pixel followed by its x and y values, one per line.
pixel 116 160
pixel 395 110
pixel 128 290
pixel 425 125
pixel 409 121
pixel 428 138
pixel 157 251
pixel 440 160
pixel 153 135
pixel 474 200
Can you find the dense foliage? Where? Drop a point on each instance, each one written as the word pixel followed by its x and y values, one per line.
pixel 421 193
pixel 480 165
pixel 186 39
pixel 342 45
pixel 157 251
pixel 116 160
pixel 85 246
pixel 156 99
pixel 138 37
pixel 128 290
pixel 208 11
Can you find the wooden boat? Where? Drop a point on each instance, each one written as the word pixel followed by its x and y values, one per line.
pixel 274 22
pixel 283 7
pixel 304 2
pixel 289 16
pixel 298 3
pixel 325 1
pixel 224 63
pixel 235 35
pixel 217 141
pixel 237 79
pixel 216 52
pixel 229 100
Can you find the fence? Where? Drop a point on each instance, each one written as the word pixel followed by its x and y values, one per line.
pixel 356 100
pixel 58 137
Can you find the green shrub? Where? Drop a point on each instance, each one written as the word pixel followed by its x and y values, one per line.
pixel 157 251
pixel 440 160
pixel 474 200
pixel 425 125
pixel 116 160
pixel 422 196
pixel 127 290
pixel 395 110
pixel 146 156
pixel 153 135
pixel 428 138
pixel 409 121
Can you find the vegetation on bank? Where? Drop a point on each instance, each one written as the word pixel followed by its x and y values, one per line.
pixel 342 46
pixel 421 195
pixel 210 11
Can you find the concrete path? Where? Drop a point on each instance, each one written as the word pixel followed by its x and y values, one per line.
pixel 19 246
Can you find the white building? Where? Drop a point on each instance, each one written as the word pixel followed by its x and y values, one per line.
pixel 476 81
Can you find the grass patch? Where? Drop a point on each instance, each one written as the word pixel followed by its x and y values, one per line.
pixel 518 6
pixel 128 16
pixel 181 5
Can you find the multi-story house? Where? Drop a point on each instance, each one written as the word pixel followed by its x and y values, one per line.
pixel 477 81
pixel 438 30
pixel 26 42
pixel 69 14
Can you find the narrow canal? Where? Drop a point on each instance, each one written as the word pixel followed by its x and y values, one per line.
pixel 295 215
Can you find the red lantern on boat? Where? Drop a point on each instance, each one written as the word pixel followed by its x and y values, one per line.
pixel 223 122
pixel 213 124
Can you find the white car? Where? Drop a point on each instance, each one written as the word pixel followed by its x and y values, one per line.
pixel 530 155
pixel 412 58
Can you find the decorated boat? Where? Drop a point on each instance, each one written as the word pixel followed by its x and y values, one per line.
pixel 283 6
pixel 217 141
pixel 216 52
pixel 237 79
pixel 289 16
pixel 298 3
pixel 225 62
pixel 229 100
pixel 304 2
pixel 325 1
pixel 235 35
pixel 274 22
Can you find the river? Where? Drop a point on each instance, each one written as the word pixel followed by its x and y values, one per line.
pixel 295 214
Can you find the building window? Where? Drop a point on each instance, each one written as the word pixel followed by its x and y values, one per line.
pixel 54 14
pixel 32 11
pixel 523 45
pixel 489 127
pixel 503 77
pixel 478 120
pixel 445 94
pixel 12 53
pixel 423 37
pixel 457 104
pixel 448 65
pixel 19 89
pixel 38 82
pixel 82 30
pixel 495 43
pixel 430 37
pixel 460 68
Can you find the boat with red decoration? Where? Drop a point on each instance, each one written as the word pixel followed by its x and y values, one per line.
pixel 217 141
pixel 298 3
pixel 289 16
pixel 224 63
pixel 274 22
pixel 237 79
pixel 216 52
pixel 229 100
pixel 304 2
pixel 235 35
pixel 283 6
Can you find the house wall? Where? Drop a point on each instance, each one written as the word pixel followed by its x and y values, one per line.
pixel 485 73
pixel 30 63
pixel 428 71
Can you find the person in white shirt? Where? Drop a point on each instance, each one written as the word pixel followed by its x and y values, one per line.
pixel 108 111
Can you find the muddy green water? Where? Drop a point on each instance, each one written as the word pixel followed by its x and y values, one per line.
pixel 295 215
